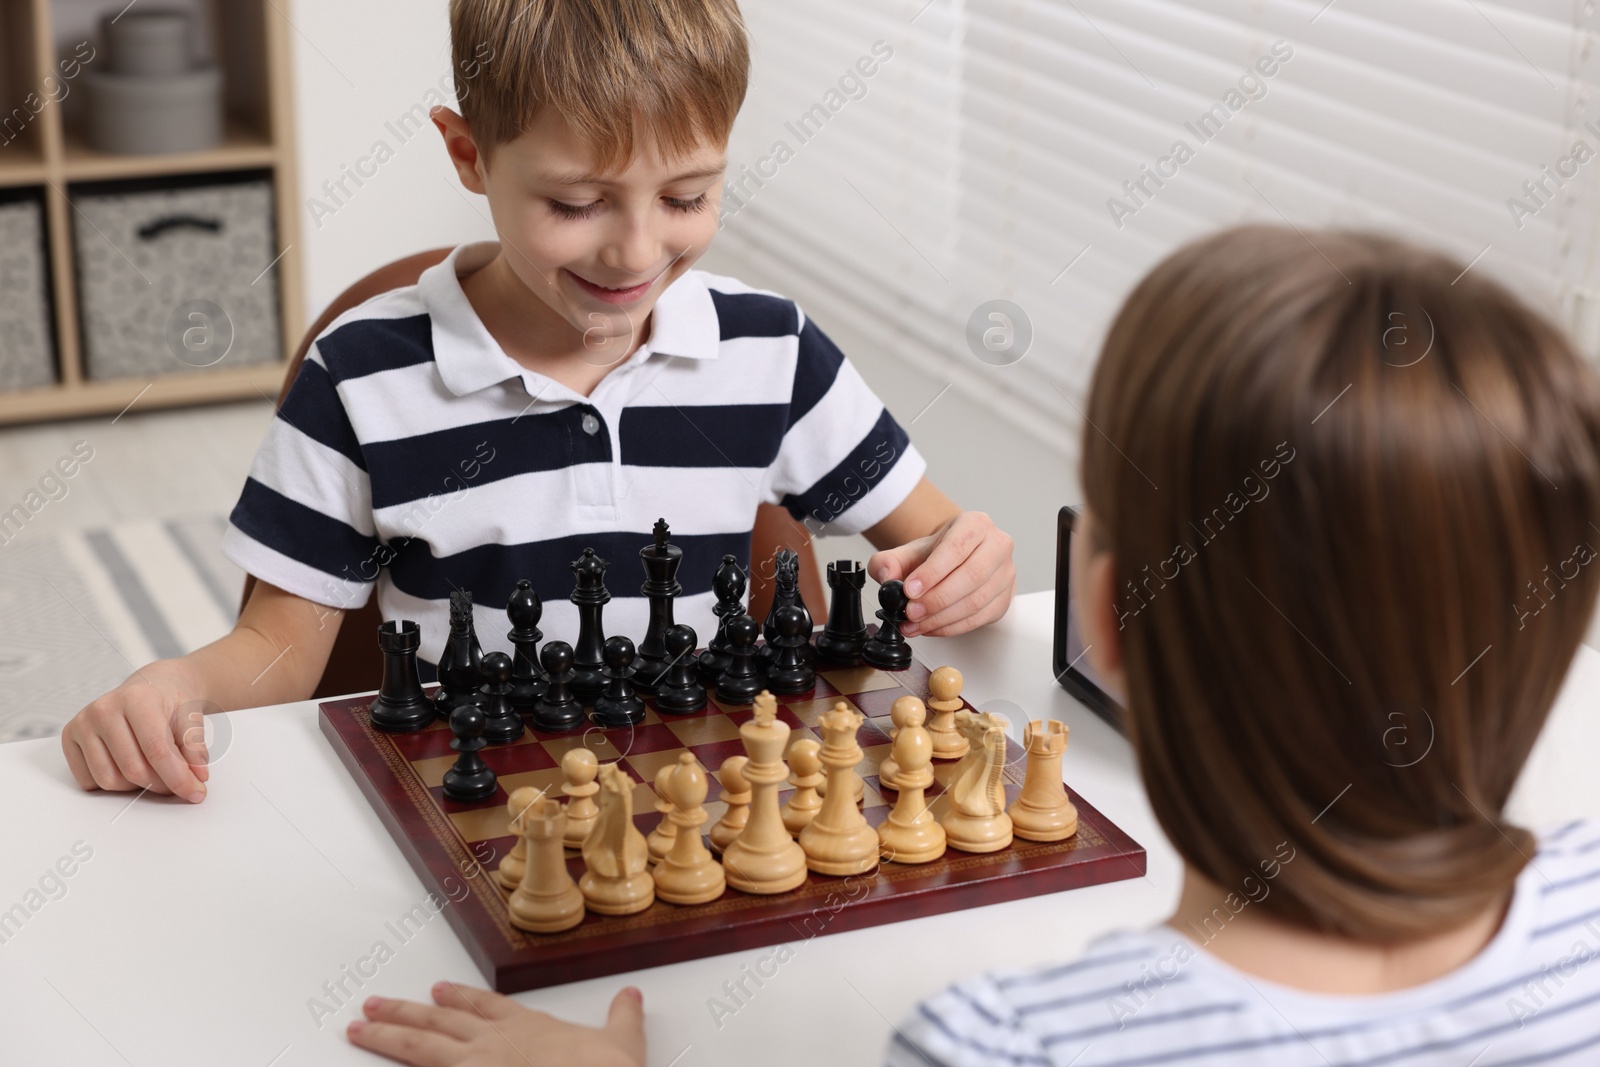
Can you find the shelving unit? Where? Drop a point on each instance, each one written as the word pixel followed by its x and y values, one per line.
pixel 250 41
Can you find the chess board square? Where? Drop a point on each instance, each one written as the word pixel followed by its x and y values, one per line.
pixel 591 739
pixel 428 743
pixel 451 807
pixel 548 780
pixel 824 689
pixel 479 824
pixel 868 734
pixel 513 759
pixel 880 702
pixel 853 680
pixel 646 765
pixel 712 755
pixel 647 737
pixel 701 729
pixel 810 712
pixel 872 756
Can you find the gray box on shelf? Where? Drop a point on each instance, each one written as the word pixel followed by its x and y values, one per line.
pixel 153 96
pixel 27 352
pixel 171 280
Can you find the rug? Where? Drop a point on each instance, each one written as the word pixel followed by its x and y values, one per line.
pixel 81 609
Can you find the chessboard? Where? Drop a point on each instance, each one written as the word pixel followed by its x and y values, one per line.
pixel 456 848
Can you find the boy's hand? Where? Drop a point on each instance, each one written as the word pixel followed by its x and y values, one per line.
pixel 959 577
pixel 477 1028
pixel 145 734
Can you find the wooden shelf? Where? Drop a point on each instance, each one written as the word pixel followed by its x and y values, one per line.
pixel 169 390
pixel 242 148
pixel 250 42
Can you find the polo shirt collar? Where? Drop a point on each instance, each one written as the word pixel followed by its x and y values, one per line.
pixel 683 323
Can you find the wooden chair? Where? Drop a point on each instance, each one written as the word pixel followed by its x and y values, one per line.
pixel 354 665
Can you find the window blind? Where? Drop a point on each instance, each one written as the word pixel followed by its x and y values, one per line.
pixel 985 157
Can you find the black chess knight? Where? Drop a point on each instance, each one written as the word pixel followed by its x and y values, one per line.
pixel 461 665
pixel 661 559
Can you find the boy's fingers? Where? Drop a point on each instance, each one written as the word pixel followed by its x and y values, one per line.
pixel 981 608
pixel 625 1021
pixel 894 563
pixel 102 767
pixel 189 729
pixel 989 559
pixel 156 743
pixel 75 760
pixel 482 1003
pixel 461 1025
pixel 124 748
pixel 420 1048
pixel 954 546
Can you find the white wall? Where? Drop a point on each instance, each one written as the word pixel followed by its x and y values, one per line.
pixel 359 65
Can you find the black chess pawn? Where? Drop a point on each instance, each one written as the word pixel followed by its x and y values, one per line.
pixel 740 683
pixel 790 671
pixel 887 649
pixel 558 710
pixel 401 707
pixel 842 639
pixel 729 585
pixel 590 595
pixel 661 560
pixel 528 682
pixel 502 723
pixel 461 665
pixel 679 691
pixel 470 779
pixel 618 705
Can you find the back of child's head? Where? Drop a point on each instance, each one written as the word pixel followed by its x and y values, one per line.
pixel 1350 487
pixel 677 69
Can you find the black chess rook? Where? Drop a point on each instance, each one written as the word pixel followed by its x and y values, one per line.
pixel 401 706
pixel 842 640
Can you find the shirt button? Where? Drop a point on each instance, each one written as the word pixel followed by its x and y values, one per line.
pixel 591 425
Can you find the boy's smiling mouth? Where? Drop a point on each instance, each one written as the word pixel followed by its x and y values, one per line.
pixel 609 295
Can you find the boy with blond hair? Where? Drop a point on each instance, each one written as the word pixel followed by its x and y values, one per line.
pixel 557 389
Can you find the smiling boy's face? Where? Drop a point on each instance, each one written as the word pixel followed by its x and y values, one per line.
pixel 597 248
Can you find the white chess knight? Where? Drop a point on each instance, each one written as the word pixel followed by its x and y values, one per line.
pixel 616 881
pixel 977 819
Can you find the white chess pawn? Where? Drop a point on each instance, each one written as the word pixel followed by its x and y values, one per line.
pixel 911 834
pixel 944 700
pixel 736 795
pixel 687 874
pixel 509 874
pixel 579 766
pixel 1042 811
pixel 546 900
pixel 899 713
pixel 805 774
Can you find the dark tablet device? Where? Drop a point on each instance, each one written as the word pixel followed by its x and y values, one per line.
pixel 1068 661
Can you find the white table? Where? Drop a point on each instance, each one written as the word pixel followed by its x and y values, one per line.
pixel 199 935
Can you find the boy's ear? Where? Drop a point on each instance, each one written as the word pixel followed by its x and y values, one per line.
pixel 463 149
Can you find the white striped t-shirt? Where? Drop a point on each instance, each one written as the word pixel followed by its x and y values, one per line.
pixel 1157 999
pixel 412 455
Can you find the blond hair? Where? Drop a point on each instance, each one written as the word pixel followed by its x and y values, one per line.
pixel 679 67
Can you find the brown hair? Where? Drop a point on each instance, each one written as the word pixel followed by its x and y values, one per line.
pixel 1351 490
pixel 679 66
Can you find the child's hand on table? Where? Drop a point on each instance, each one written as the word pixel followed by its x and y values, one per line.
pixel 959 577
pixel 145 734
pixel 476 1028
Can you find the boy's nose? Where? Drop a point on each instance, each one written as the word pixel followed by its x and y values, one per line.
pixel 633 250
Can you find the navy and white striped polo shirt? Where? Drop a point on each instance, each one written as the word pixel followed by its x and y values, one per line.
pixel 414 455
pixel 1156 998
